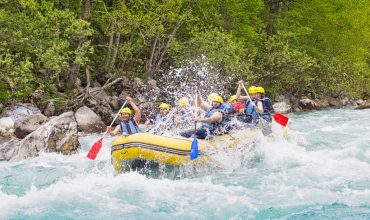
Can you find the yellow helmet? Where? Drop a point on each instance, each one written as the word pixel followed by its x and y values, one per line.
pixel 165 106
pixel 218 99
pixel 261 90
pixel 232 98
pixel 183 101
pixel 126 110
pixel 252 90
pixel 212 95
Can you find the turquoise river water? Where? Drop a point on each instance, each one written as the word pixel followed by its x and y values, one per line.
pixel 322 171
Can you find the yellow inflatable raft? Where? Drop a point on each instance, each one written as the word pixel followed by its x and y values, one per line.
pixel 169 150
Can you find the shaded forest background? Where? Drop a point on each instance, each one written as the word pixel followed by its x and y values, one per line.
pixel 297 47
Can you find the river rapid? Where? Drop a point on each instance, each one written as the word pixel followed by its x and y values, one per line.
pixel 321 171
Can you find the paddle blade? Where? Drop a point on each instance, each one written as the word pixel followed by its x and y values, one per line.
pixel 95 149
pixel 281 119
pixel 194 149
pixel 265 127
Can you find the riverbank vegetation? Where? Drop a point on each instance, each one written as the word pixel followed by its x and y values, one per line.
pixel 297 47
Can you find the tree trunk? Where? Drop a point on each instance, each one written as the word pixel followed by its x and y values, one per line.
pixel 109 52
pixel 274 6
pixel 115 50
pixel 74 69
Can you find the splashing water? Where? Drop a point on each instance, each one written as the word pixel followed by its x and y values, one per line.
pixel 320 172
pixel 182 83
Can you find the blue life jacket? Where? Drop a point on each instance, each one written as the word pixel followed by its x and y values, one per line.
pixel 211 126
pixel 217 127
pixel 159 118
pixel 268 109
pixel 227 108
pixel 129 127
pixel 185 114
pixel 251 112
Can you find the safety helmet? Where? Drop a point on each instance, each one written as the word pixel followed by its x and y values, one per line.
pixel 252 90
pixel 212 95
pixel 183 101
pixel 261 90
pixel 217 99
pixel 126 110
pixel 232 98
pixel 165 106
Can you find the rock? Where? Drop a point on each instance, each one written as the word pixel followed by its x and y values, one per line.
pixel 152 83
pixel 345 101
pixel 7 148
pixel 27 125
pixel 334 101
pixel 57 135
pixel 116 103
pixel 140 98
pixel 99 103
pixel 322 103
pixel 6 124
pixel 307 104
pixel 49 109
pixel 282 98
pixel 21 110
pixel 360 102
pixel 297 109
pixel 282 107
pixel 101 95
pixel 364 105
pixel 123 95
pixel 7 136
pixel 88 121
pixel 150 109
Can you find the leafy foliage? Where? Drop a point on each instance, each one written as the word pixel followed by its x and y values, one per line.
pixel 317 46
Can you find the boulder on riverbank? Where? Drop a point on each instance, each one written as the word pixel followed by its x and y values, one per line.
pixel 20 110
pixel 28 124
pixel 88 121
pixel 364 104
pixel 282 104
pixel 99 103
pixel 57 135
pixel 6 124
pixel 307 104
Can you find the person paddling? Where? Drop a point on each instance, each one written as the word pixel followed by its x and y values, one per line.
pixel 129 124
pixel 268 109
pixel 252 108
pixel 184 114
pixel 163 120
pixel 212 123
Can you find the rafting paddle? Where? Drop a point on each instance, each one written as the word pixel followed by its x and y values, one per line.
pixel 94 150
pixel 194 144
pixel 281 119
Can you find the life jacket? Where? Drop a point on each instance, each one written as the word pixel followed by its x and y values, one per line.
pixel 251 112
pixel 159 118
pixel 217 127
pixel 129 127
pixel 227 114
pixel 185 114
pixel 268 109
pixel 211 126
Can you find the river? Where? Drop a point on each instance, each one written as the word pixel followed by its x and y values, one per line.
pixel 322 171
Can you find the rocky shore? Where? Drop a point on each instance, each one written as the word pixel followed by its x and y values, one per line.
pixel 25 129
